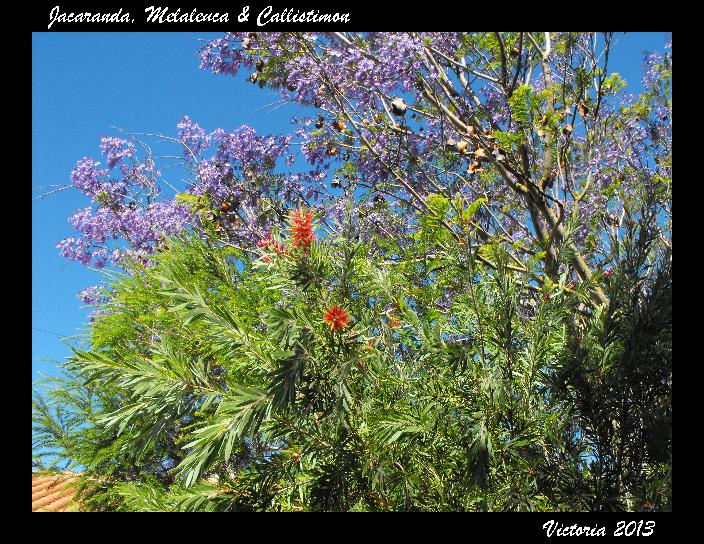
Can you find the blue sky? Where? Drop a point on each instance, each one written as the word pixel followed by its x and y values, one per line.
pixel 85 83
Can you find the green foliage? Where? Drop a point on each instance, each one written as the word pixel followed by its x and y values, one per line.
pixel 504 345
pixel 614 83
pixel 509 140
pixel 212 382
pixel 525 104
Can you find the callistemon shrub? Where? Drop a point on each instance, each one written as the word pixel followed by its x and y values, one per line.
pixel 449 288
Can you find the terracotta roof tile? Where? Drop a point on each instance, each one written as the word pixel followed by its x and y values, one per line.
pixel 53 493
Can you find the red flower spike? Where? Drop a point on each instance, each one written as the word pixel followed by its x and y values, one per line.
pixel 270 243
pixel 302 228
pixel 264 242
pixel 280 250
pixel 336 318
pixel 607 272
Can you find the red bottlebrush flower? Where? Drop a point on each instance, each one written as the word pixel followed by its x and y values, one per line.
pixel 280 250
pixel 264 242
pixel 302 228
pixel 336 318
pixel 269 242
pixel 266 259
pixel 608 272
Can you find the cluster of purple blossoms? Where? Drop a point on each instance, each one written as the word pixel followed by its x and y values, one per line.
pixel 223 56
pixel 653 68
pixel 115 149
pixel 193 137
pixel 127 215
pixel 495 101
pixel 118 220
pixel 94 296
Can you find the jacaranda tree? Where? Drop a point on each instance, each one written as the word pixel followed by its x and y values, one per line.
pixel 462 302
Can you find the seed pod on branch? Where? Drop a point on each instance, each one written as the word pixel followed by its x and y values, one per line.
pixel 499 153
pixel 398 106
pixel 474 167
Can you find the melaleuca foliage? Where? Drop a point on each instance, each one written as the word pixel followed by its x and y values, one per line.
pixel 616 374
